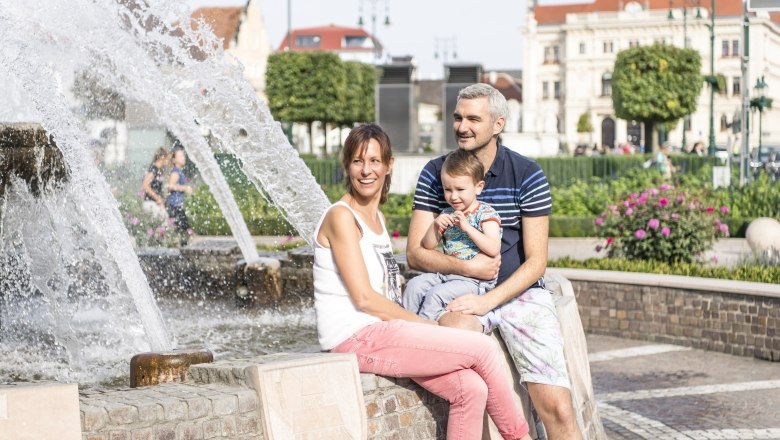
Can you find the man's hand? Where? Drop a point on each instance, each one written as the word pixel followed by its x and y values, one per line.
pixel 483 267
pixel 470 305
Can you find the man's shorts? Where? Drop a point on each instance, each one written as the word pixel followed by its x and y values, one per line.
pixel 530 328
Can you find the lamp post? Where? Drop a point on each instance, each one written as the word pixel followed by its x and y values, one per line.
pixel 445 47
pixel 373 7
pixel 685 5
pixel 760 102
pixel 712 80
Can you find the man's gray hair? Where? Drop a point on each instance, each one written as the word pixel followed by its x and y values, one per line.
pixel 496 101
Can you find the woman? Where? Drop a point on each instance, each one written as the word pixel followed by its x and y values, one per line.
pixel 154 203
pixel 357 295
pixel 177 187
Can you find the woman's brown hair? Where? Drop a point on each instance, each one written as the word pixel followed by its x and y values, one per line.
pixel 355 146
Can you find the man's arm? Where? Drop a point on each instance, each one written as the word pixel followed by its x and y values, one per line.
pixel 430 260
pixel 535 233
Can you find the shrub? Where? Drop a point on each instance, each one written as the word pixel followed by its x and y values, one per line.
pixel 662 224
pixel 147 230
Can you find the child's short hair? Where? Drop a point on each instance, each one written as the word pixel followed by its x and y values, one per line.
pixel 464 163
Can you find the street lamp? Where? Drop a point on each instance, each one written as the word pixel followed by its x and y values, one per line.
pixel 445 47
pixel 760 103
pixel 712 80
pixel 685 5
pixel 374 6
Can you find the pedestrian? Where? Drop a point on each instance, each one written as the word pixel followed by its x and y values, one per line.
pixel 517 187
pixel 357 293
pixel 177 188
pixel 466 228
pixel 152 185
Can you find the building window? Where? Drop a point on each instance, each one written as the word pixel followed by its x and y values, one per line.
pixel 608 47
pixel 725 49
pixel 687 123
pixel 307 41
pixel 552 55
pixel 735 48
pixel 557 90
pixel 661 40
pixel 724 123
pixel 633 43
pixel 545 90
pixel 606 84
pixel 582 48
pixel 356 41
pixel 736 85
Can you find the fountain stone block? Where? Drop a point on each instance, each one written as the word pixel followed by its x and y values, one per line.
pixel 262 283
pixel 162 367
pixel 32 411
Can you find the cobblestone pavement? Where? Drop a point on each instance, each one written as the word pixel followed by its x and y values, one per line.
pixel 658 391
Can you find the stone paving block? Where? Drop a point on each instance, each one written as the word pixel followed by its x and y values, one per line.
pixel 247 424
pixel 228 426
pixel 119 435
pixel 189 431
pixel 224 404
pixel 143 434
pixel 173 408
pixel 212 428
pixel 93 418
pixel 198 407
pixel 121 414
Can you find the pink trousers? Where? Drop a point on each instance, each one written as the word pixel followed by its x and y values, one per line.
pixel 460 366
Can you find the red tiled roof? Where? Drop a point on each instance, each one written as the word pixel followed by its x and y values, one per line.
pixel 331 38
pixel 554 14
pixel 224 21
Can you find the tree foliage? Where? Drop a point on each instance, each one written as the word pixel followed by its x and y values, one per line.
pixel 583 123
pixel 318 86
pixel 97 101
pixel 656 84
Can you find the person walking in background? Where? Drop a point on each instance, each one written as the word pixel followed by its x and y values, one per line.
pixel 357 294
pixel 152 186
pixel 467 227
pixel 517 188
pixel 177 188
pixel 663 163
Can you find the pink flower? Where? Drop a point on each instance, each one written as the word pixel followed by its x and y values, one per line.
pixel 396 234
pixel 680 198
pixel 642 199
pixel 653 191
pixel 665 231
pixel 599 221
pixel 610 240
pixel 710 209
pixel 149 232
pixel 653 223
pixel 161 231
pixel 664 187
pixel 640 234
pixel 663 201
pixel 724 229
pixel 629 211
pixel 675 216
pixel 724 210
pixel 134 221
pixel 140 194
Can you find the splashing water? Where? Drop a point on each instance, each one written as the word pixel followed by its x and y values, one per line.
pixel 144 50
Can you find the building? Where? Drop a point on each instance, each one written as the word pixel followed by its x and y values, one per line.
pixel 570 50
pixel 351 44
pixel 243 35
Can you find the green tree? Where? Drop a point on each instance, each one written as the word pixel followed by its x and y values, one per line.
pixel 583 124
pixel 96 100
pixel 656 84
pixel 306 87
pixel 359 97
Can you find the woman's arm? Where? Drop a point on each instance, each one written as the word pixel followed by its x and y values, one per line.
pixel 147 187
pixel 343 235
pixel 173 184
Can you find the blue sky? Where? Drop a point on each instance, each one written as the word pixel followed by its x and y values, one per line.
pixel 486 32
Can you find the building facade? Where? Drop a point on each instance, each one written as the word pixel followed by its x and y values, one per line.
pixel 570 51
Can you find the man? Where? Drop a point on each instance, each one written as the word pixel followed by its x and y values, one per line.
pixel 517 188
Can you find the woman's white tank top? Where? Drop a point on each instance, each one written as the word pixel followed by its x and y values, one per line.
pixel 337 316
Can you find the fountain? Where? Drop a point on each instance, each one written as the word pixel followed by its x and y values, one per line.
pixel 144 51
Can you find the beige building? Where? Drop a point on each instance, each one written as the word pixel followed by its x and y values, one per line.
pixel 243 35
pixel 569 53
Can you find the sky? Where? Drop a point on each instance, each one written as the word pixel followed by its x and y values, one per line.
pixel 487 32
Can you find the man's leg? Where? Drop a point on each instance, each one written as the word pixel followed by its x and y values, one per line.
pixel 530 328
